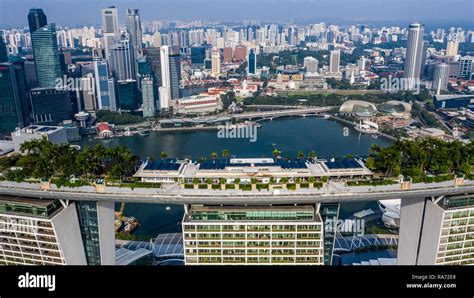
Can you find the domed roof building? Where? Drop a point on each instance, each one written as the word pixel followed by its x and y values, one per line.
pixel 395 106
pixel 359 108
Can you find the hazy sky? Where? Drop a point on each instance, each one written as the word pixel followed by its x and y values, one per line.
pixel 78 12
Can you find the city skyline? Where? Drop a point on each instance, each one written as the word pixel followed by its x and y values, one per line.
pixel 285 11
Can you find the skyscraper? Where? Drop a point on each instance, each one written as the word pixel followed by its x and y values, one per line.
pixel 175 72
pixel 110 28
pixel 311 64
pixel 436 231
pixel 452 48
pixel 55 233
pixel 36 19
pixel 134 28
pixel 334 61
pixel 51 105
pixel 228 54
pixel 440 78
pixel 253 235
pixel 128 96
pixel 46 53
pixel 3 49
pixel 165 89
pixel 216 62
pixel 13 104
pixel 122 61
pixel 414 54
pixel 252 62
pixel 148 97
pixel 105 88
pixel 198 54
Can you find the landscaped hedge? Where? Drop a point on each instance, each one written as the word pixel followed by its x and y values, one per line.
pixel 371 182
pixel 434 179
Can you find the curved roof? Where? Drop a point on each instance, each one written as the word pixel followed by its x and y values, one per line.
pixel 395 106
pixel 358 107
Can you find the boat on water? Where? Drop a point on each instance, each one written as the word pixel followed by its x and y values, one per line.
pixel 144 132
pixel 367 127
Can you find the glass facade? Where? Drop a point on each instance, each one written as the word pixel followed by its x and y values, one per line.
pixel 45 50
pixel 329 212
pixel 28 209
pixel 248 215
pixel 89 225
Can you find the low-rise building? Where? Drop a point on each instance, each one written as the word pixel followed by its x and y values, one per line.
pixel 54 134
pixel 198 104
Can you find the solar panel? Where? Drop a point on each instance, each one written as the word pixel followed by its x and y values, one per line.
pixel 345 163
pixel 163 165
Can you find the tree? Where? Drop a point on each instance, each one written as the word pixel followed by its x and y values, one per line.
pixel 225 153
pixel 312 155
pixel 214 155
pixel 300 154
pixel 163 154
pixel 276 153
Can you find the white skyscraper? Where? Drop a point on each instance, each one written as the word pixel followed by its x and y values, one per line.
pixel 165 89
pixel 441 76
pixel 414 54
pixel 110 28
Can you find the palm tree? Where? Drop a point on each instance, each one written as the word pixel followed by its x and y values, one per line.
pixel 312 155
pixel 163 154
pixel 225 153
pixel 276 153
pixel 214 155
pixel 300 154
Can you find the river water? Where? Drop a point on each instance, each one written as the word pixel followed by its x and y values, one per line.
pixel 290 135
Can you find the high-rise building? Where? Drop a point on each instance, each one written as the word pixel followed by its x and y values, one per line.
pixel 310 64
pixel 13 103
pixel 362 63
pixel 436 231
pixel 441 77
pixel 46 53
pixel 30 72
pixel 466 67
pixel 216 62
pixel 3 49
pixel 175 71
pixel 110 28
pixel 54 232
pixel 134 28
pixel 252 62
pixel 36 19
pixel 122 61
pixel 165 89
pixel 51 105
pixel 105 86
pixel 198 54
pixel 240 53
pixel 334 61
pixel 228 54
pixel 148 97
pixel 414 54
pixel 153 58
pixel 253 235
pixel 128 95
pixel 452 48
